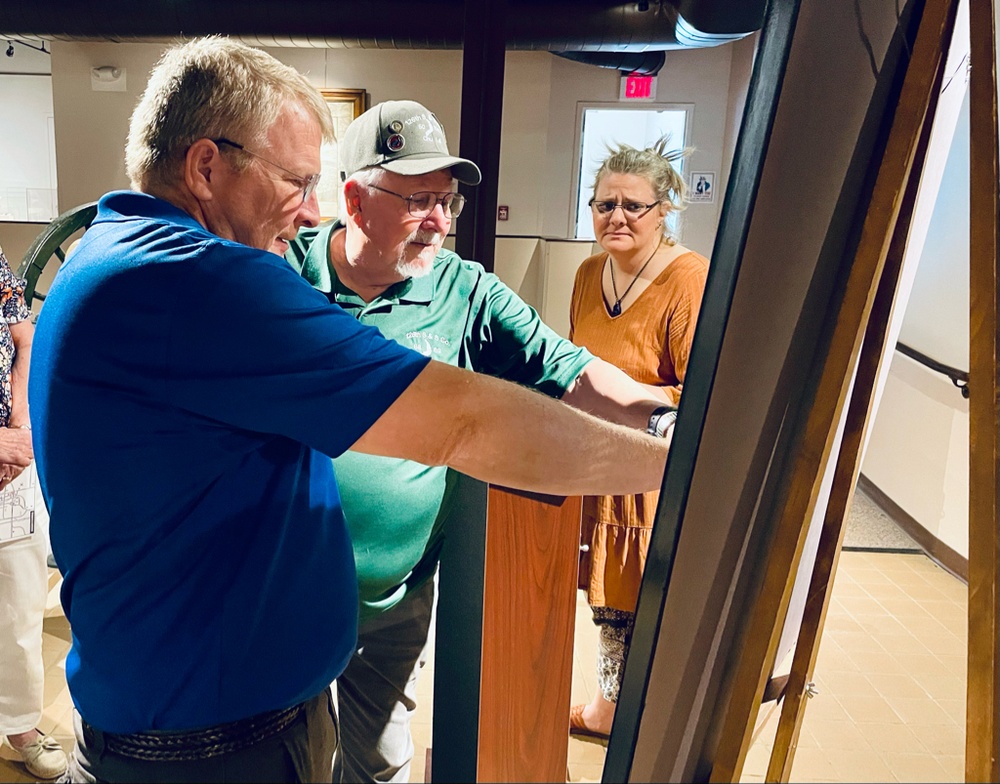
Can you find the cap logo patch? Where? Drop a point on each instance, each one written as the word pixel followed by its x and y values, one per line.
pixel 395 143
pixel 428 128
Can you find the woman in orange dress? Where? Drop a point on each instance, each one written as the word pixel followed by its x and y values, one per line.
pixel 635 305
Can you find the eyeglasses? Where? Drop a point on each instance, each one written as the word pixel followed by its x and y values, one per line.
pixel 422 203
pixel 632 209
pixel 306 184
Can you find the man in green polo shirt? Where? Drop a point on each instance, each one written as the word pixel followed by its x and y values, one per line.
pixel 385 265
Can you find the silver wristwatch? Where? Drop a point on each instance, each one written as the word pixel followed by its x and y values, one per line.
pixel 661 420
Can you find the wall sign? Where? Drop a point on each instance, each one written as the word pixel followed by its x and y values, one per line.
pixel 701 189
pixel 637 88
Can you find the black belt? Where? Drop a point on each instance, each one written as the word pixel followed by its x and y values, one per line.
pixel 205 743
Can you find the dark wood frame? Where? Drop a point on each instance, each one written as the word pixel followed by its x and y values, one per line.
pixel 982 732
pixel 339 99
pixel 357 98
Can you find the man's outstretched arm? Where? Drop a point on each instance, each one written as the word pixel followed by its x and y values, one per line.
pixel 609 393
pixel 506 434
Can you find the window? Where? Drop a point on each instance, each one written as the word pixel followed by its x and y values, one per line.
pixel 614 124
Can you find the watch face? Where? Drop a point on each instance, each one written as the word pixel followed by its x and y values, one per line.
pixel 660 421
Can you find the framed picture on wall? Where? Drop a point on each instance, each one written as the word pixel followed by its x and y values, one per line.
pixel 345 105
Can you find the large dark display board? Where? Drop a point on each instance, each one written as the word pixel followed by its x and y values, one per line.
pixel 826 78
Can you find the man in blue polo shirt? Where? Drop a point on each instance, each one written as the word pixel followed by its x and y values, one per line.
pixel 187 390
pixel 386 266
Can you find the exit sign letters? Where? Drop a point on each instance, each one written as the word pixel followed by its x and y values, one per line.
pixel 637 88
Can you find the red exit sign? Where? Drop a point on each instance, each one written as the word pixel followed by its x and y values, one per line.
pixel 637 88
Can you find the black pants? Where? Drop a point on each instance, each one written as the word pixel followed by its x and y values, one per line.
pixel 302 752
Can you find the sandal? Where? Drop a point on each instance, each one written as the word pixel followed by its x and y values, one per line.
pixel 577 727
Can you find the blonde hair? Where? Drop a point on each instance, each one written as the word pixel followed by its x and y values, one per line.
pixel 209 88
pixel 654 164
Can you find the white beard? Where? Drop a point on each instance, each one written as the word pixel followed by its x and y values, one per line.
pixel 420 266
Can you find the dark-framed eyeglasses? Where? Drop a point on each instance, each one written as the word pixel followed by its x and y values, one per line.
pixel 422 203
pixel 632 209
pixel 307 184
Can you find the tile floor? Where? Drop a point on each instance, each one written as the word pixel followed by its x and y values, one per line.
pixel 890 681
pixel 890 677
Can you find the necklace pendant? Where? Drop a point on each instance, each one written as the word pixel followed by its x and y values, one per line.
pixel 616 309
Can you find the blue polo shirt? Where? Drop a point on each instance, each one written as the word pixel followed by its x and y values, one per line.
pixel 182 389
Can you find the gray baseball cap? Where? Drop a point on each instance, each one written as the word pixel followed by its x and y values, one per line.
pixel 402 137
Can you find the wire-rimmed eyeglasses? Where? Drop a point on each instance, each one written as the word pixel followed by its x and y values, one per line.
pixel 632 209
pixel 307 184
pixel 422 203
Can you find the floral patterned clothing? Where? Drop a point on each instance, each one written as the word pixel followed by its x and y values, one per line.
pixel 615 629
pixel 24 575
pixel 12 310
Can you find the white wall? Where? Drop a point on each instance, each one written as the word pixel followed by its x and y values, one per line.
pixel 26 59
pixel 918 453
pixel 541 93
pixel 937 314
pixel 27 151
pixel 539 134
pixel 91 126
pixel 918 448
pixel 13 102
pixel 524 144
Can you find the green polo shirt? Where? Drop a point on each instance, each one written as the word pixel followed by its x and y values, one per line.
pixel 459 314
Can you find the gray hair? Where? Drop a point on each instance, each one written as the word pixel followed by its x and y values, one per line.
pixel 209 88
pixel 654 164
pixel 373 175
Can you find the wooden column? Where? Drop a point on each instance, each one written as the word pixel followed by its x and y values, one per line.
pixel 529 610
pixel 982 744
pixel 483 56
pixel 505 625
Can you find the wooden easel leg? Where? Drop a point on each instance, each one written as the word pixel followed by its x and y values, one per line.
pixel 845 478
pixel 819 426
pixel 982 744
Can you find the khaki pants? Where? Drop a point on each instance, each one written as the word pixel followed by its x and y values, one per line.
pixel 377 693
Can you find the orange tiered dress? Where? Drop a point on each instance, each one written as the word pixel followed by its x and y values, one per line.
pixel 651 341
